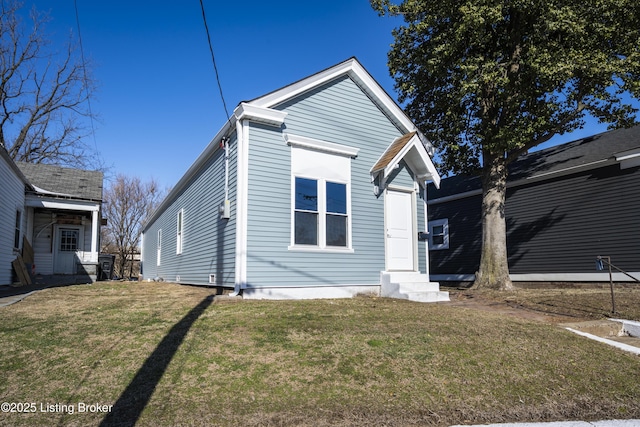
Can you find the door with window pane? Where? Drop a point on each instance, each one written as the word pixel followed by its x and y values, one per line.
pixel 68 243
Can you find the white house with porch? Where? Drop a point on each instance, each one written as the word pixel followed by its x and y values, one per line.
pixel 55 213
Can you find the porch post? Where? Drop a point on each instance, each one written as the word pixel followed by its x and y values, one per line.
pixel 94 236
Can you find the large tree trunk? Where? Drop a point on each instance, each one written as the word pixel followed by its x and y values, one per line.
pixel 494 268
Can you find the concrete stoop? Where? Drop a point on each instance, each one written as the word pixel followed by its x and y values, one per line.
pixel 411 286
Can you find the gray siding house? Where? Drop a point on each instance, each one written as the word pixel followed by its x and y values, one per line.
pixel 56 211
pixel 315 190
pixel 565 206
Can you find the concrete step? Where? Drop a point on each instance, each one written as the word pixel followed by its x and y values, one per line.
pixel 437 296
pixel 412 286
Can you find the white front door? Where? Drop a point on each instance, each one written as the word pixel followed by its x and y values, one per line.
pixel 68 242
pixel 400 230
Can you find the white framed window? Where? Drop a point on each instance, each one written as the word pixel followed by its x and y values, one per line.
pixel 17 233
pixel 439 234
pixel 179 231
pixel 320 213
pixel 320 200
pixel 159 247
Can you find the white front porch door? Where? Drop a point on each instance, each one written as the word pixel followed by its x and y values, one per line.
pixel 68 241
pixel 400 231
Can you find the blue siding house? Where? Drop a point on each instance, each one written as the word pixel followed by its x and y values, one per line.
pixel 315 190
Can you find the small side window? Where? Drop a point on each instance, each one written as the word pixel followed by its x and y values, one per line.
pixel 439 234
pixel 16 237
pixel 159 248
pixel 179 231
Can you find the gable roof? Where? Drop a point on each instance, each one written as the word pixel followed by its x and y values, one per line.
pixel 352 68
pixel 63 182
pixel 262 110
pixel 582 154
pixel 410 148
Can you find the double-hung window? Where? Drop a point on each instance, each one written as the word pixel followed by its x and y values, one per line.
pixel 159 247
pixel 320 217
pixel 306 211
pixel 336 216
pixel 321 195
pixel 179 231
pixel 439 234
pixel 16 235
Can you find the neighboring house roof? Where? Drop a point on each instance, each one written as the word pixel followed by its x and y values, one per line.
pixel 586 153
pixel 63 182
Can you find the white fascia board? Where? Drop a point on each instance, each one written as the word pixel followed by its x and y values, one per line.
pixel 629 158
pixel 51 193
pixel 423 158
pixel 67 205
pixel 357 72
pixel 319 145
pixel 281 95
pixel 626 155
pixel 212 147
pixel 269 116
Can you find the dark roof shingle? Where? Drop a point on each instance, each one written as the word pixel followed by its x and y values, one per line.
pixel 82 184
pixel 572 154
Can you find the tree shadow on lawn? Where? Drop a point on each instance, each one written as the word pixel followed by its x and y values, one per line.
pixel 129 406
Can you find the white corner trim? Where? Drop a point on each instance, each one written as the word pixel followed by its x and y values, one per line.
pixel 242 192
pixel 319 145
pixel 257 114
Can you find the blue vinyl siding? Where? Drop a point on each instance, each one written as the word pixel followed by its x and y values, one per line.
pixel 338 112
pixel 208 245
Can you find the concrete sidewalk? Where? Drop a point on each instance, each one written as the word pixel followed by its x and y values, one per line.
pixel 604 423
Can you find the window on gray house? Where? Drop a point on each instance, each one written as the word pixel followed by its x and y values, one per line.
pixel 306 211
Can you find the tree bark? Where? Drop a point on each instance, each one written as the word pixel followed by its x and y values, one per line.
pixel 494 268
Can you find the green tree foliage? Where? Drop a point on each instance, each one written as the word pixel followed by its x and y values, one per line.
pixel 486 80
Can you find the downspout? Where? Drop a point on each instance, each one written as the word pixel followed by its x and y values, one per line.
pixel 241 238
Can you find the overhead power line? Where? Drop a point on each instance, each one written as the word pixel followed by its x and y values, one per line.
pixel 213 58
pixel 86 80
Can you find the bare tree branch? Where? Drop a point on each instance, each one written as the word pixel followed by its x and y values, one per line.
pixel 43 94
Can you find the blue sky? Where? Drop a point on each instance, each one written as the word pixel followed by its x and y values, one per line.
pixel 158 103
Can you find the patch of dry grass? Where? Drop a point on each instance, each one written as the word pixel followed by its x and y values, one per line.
pixel 587 303
pixel 162 355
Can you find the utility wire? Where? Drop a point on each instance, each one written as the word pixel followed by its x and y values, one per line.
pixel 86 80
pixel 213 58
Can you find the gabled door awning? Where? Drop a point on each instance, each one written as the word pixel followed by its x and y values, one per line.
pixel 408 147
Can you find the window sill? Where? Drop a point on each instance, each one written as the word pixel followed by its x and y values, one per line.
pixel 330 249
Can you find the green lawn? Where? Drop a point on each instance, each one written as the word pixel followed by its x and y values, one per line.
pixel 163 354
